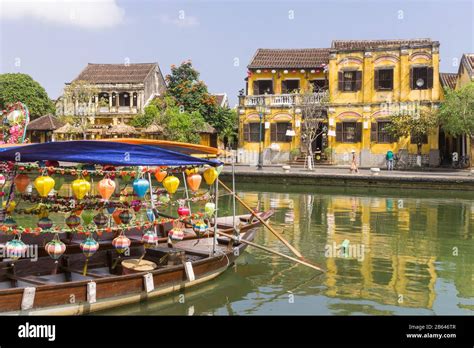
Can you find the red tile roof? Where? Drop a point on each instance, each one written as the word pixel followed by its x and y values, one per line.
pixel 289 58
pixel 372 44
pixel 448 80
pixel 44 123
pixel 116 73
pixel 468 61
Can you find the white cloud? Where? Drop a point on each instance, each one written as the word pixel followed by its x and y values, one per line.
pixel 89 14
pixel 182 20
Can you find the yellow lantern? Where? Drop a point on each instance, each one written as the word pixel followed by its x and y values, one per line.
pixel 11 206
pixel 171 183
pixel 210 175
pixel 191 171
pixel 80 187
pixel 44 185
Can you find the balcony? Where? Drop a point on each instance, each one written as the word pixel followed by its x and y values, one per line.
pixel 117 110
pixel 280 100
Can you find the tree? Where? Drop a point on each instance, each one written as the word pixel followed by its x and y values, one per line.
pixel 79 94
pixel 225 120
pixel 313 112
pixel 417 125
pixel 189 92
pixel 151 114
pixel 22 88
pixel 456 114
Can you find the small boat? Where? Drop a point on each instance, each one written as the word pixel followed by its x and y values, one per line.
pixel 121 267
pixel 109 284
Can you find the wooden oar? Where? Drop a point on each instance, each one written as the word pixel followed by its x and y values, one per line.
pixel 278 235
pixel 273 252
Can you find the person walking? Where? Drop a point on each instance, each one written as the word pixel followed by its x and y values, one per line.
pixel 389 159
pixel 354 168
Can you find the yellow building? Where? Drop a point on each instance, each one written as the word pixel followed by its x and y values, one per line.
pixel 365 81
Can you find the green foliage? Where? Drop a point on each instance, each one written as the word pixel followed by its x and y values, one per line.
pixel 189 92
pixel 415 125
pixel 456 113
pixel 22 88
pixel 225 121
pixel 181 126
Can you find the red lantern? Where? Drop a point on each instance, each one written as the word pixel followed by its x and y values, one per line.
pixel 183 211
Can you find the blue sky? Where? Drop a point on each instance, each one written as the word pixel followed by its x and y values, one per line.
pixel 53 41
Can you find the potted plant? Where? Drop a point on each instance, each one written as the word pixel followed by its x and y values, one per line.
pixel 294 153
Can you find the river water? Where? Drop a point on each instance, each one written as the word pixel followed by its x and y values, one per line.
pixel 386 252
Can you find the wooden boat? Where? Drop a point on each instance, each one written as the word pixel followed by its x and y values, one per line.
pixel 46 288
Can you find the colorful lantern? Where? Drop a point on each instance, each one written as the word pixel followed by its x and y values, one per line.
pixel 160 175
pixel 125 216
pixel 210 208
pixel 141 187
pixel 87 217
pixel 21 182
pixel 121 243
pixel 191 171
pixel 2 179
pixel 106 188
pixel 44 184
pixel 219 169
pixel 210 175
pixel 165 199
pixel 136 205
pixel 89 246
pixel 200 227
pixel 194 181
pixel 15 248
pixel 100 220
pixel 176 235
pixel 150 239
pixel 171 184
pixel 150 215
pixel 72 221
pixel 55 248
pixel 183 211
pixel 116 216
pixel 45 223
pixel 80 188
pixel 11 206
pixel 110 209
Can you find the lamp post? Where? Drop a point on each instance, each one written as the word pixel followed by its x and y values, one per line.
pixel 261 113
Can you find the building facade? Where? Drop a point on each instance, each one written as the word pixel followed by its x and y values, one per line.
pixel 364 81
pixel 123 92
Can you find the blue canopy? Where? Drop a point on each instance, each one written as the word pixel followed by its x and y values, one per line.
pixel 100 152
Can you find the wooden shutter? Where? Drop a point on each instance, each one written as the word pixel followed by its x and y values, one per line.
pixel 284 88
pixel 373 132
pixel 358 82
pixel 376 79
pixel 340 80
pixel 339 132
pixel 256 91
pixel 412 83
pixel 273 132
pixel 358 132
pixel 246 132
pixel 429 78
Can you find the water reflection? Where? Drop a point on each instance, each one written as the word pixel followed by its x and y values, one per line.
pixel 386 252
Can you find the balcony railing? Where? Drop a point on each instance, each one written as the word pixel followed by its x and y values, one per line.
pixel 281 100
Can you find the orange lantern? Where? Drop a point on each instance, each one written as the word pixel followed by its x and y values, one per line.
pixel 194 181
pixel 44 185
pixel 171 184
pixel 21 182
pixel 210 175
pixel 160 174
pixel 116 216
pixel 106 188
